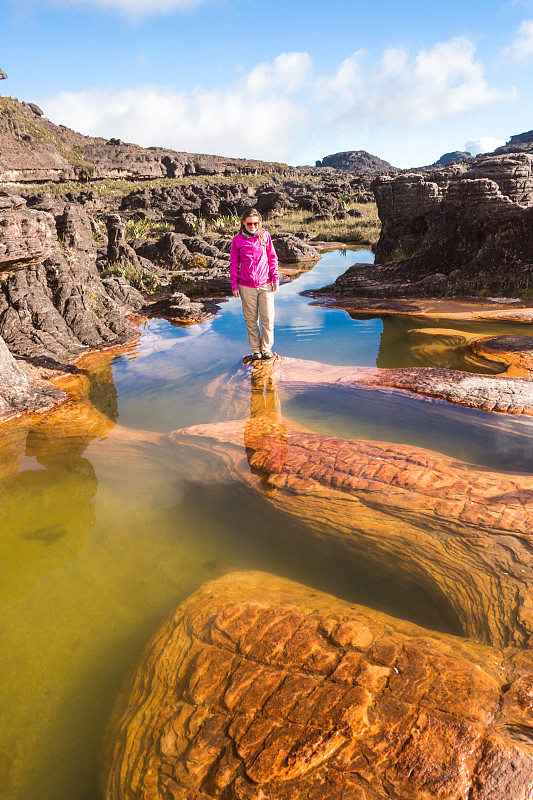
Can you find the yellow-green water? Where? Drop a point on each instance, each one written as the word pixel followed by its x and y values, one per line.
pixel 102 536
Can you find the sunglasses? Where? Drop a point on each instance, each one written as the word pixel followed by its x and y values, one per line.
pixel 252 224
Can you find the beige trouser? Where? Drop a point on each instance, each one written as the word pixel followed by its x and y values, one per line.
pixel 258 301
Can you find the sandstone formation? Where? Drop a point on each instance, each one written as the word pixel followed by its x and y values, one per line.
pixel 291 249
pixel 258 687
pixel 430 308
pixel 452 530
pixel 18 392
pixel 520 142
pixel 464 230
pixel 179 308
pixel 449 233
pixel 511 395
pixel 515 351
pixel 57 307
pixel 26 237
pixel 315 194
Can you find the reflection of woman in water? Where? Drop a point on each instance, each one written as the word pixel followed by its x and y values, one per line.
pixel 265 434
pixel 255 278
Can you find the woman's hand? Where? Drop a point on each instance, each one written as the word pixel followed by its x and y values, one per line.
pixel 236 293
pixel 275 286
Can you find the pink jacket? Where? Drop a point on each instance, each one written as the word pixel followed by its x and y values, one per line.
pixel 252 262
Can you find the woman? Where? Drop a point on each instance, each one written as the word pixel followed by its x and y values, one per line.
pixel 255 278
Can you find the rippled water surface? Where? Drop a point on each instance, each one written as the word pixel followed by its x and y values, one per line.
pixel 101 538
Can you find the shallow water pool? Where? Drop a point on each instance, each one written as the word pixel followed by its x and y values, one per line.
pixel 101 540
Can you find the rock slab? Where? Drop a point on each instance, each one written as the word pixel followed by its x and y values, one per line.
pixel 260 688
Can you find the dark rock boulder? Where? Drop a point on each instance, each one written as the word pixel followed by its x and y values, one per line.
pixel 118 250
pixel 189 224
pixel 210 207
pixel 36 110
pixel 270 203
pixel 177 307
pixel 465 231
pixel 123 293
pixel 210 280
pixel 168 251
pixel 291 249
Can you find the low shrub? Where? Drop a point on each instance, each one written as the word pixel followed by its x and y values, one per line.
pixel 140 279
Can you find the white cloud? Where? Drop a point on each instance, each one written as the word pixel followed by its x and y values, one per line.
pixel 229 121
pixel 522 47
pixel 288 71
pixel 346 82
pixel 484 144
pixel 271 111
pixel 439 83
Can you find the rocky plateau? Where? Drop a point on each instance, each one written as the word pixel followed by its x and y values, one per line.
pixel 258 687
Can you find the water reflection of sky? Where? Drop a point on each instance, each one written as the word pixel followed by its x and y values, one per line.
pixel 171 365
pixel 163 386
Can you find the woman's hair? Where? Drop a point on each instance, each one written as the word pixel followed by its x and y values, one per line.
pixel 253 212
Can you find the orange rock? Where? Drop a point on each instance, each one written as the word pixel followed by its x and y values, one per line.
pixel 459 532
pixel 238 719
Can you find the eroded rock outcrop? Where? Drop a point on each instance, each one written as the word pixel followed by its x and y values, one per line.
pixel 463 230
pixel 53 305
pixel 18 392
pixel 258 687
pixel 358 161
pixel 179 308
pixel 291 249
pixel 57 306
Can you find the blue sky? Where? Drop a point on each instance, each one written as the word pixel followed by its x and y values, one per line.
pixel 283 80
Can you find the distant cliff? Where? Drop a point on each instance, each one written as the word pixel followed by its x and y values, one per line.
pixel 452 158
pixel 357 161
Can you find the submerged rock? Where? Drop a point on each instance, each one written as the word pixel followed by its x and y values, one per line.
pixel 457 531
pixel 516 352
pixel 258 687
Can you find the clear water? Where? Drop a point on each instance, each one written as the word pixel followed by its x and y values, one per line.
pixel 100 540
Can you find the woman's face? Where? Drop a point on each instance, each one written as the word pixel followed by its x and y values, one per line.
pixel 251 224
